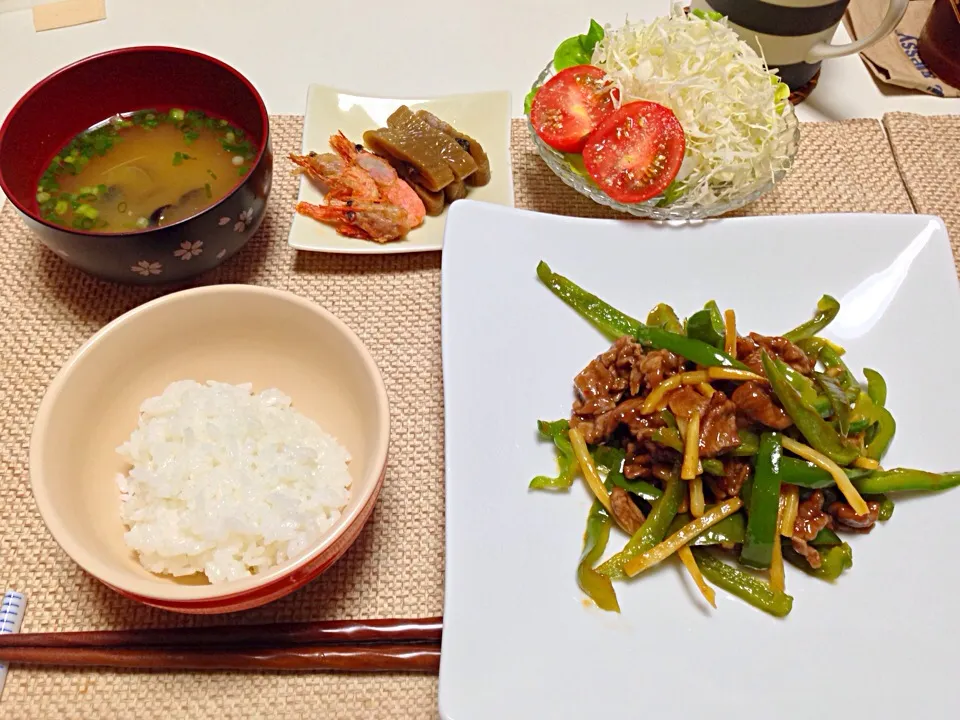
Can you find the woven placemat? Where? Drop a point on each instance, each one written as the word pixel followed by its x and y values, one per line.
pixel 395 569
pixel 927 151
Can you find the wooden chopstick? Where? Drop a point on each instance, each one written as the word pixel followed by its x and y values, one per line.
pixel 409 657
pixel 330 632
pixel 340 645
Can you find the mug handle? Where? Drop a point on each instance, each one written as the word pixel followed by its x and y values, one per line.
pixel 824 50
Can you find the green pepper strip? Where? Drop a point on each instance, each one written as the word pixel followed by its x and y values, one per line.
pixel 814 428
pixel 749 444
pixel 901 479
pixel 828 356
pixel 612 459
pixel 794 471
pixel 558 431
pixel 886 506
pixel 597 587
pixel 693 350
pixel 858 425
pixel 832 562
pixel 652 532
pixel 880 423
pixel 744 586
pixel 615 324
pixel 668 437
pixel 886 429
pixel 762 529
pixel 668 418
pixel 808 391
pixel 826 537
pixel 827 309
pixel 811 346
pixel 839 401
pixel 665 317
pixel 876 387
pixel 728 531
pixel 712 466
pixel 707 325
pixel 801 473
pixel 640 488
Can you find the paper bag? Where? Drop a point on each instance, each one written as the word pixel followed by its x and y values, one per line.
pixel 895 59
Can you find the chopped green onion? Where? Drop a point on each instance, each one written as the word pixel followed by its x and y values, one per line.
pixel 88 212
pixel 61 207
pixel 142 222
pixel 176 114
pixel 122 207
pixel 42 197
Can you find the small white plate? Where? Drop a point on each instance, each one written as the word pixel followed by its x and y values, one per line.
pixel 484 116
pixel 519 640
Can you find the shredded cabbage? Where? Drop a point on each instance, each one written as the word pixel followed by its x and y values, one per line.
pixel 721 91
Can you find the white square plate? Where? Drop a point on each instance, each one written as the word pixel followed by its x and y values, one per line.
pixel 520 642
pixel 485 116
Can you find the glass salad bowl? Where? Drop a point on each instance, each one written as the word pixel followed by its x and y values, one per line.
pixel 656 208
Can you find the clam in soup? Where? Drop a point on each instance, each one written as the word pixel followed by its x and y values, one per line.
pixel 142 170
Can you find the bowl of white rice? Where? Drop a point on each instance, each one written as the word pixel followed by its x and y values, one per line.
pixel 212 450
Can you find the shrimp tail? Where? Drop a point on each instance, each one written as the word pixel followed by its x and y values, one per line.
pixel 343 147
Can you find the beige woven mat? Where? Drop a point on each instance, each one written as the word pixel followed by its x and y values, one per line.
pixel 927 151
pixel 47 309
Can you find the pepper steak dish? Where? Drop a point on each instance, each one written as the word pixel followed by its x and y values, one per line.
pixel 691 435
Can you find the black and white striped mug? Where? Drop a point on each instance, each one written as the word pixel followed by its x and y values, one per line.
pixel 794 35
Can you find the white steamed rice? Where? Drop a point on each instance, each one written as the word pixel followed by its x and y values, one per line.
pixel 227 483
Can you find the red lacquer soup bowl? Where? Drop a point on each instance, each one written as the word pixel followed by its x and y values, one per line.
pixel 122 81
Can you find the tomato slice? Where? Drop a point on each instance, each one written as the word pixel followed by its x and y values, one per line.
pixel 635 153
pixel 570 105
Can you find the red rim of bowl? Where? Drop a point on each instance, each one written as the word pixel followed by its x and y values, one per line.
pixel 264 120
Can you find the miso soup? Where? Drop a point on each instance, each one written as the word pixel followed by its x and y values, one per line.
pixel 144 169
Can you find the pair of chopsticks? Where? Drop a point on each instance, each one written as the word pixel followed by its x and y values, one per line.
pixel 340 645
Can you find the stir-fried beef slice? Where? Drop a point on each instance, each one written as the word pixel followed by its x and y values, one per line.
pixel 749 352
pixel 811 519
pixel 658 365
pixel 644 457
pixel 663 472
pixel 847 518
pixel 735 472
pixel 600 428
pixel 684 401
pixel 807 550
pixel 638 462
pixel 756 402
pixel 640 426
pixel 602 384
pixel 625 511
pixel 718 426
